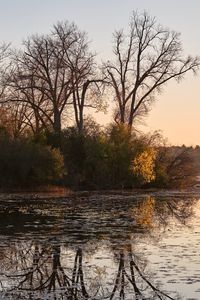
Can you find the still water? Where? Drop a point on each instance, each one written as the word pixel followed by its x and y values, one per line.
pixel 96 246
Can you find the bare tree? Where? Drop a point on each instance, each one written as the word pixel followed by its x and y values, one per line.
pixel 3 66
pixel 86 87
pixel 43 75
pixel 21 92
pixel 56 74
pixel 146 58
pixel 16 118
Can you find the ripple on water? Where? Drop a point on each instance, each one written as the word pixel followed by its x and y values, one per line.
pixel 165 242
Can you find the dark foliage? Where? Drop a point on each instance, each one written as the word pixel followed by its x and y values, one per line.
pixel 26 163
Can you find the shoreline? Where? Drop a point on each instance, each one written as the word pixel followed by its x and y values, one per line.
pixel 65 193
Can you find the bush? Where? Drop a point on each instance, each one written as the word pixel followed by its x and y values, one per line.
pixel 85 159
pixel 25 163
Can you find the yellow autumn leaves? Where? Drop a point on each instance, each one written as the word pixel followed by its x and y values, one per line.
pixel 143 166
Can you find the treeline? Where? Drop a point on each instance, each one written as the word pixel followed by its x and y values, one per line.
pixel 49 88
pixel 113 158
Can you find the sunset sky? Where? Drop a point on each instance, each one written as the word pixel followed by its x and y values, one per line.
pixel 177 110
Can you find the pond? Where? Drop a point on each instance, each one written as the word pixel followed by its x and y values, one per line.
pixel 125 245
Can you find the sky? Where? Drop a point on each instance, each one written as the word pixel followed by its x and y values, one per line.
pixel 176 111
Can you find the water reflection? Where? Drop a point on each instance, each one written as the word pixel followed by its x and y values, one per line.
pixel 152 212
pixel 37 271
pixel 94 217
pixel 48 246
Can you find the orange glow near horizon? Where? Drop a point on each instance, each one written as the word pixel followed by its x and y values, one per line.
pixel 176 113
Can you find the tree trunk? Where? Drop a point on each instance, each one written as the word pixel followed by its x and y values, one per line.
pixel 57 122
pixel 80 121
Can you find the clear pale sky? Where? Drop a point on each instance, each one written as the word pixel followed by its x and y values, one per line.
pixel 177 110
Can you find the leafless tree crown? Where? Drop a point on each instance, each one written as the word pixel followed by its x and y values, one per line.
pixel 146 58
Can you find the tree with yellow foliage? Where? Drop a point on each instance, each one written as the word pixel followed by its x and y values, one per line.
pixel 143 165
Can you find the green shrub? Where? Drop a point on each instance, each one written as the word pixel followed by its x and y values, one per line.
pixel 25 163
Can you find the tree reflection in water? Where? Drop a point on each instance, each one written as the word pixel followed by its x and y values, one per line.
pixel 151 213
pixel 41 270
pixel 39 274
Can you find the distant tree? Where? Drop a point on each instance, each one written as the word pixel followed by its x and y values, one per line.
pixel 146 58
pixel 176 167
